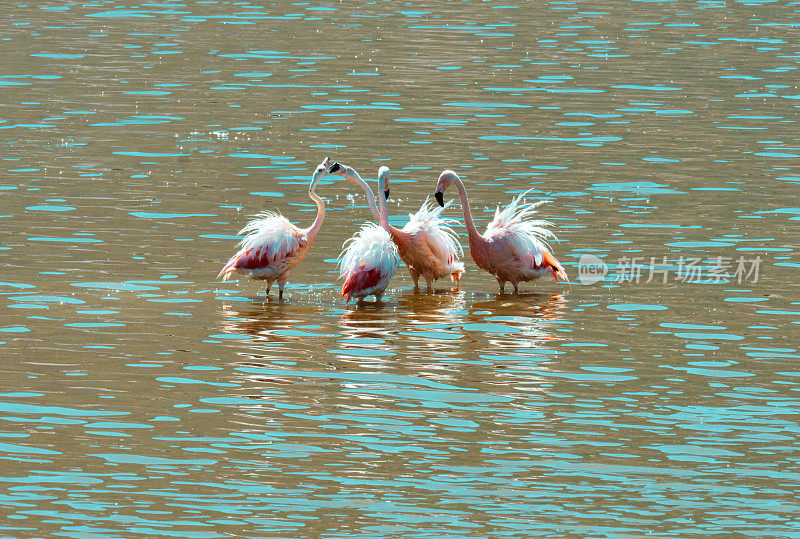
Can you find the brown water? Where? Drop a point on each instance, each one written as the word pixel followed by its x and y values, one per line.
pixel 142 397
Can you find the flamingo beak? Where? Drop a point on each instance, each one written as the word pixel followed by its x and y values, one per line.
pixel 334 168
pixel 386 194
pixel 439 196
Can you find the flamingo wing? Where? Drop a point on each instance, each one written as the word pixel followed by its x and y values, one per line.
pixel 526 238
pixel 268 239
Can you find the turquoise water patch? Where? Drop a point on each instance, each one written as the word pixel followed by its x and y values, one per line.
pixel 660 160
pixel 121 458
pixel 710 336
pixel 14 448
pixel 689 326
pixel 47 207
pixel 435 121
pixel 183 380
pixel 153 215
pixel 58 56
pixel 585 377
pixel 649 88
pixel 711 373
pixel 154 93
pixel 123 286
pixel 151 154
pixel 698 244
pixel 93 325
pixel 625 307
pixel 782 155
pixel 639 188
pixel 32 409
pixel 232 336
pixel 47 299
pixel 658 225
pixel 66 240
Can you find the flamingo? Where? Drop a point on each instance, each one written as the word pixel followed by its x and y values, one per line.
pixel 427 244
pixel 272 246
pixel 513 248
pixel 369 259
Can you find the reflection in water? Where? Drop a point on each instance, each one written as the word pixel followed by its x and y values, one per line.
pixel 525 315
pixel 266 322
pixel 368 321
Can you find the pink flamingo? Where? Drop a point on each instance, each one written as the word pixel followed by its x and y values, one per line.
pixel 272 246
pixel 513 248
pixel 427 244
pixel 369 259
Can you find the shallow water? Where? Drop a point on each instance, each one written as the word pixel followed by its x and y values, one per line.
pixel 145 398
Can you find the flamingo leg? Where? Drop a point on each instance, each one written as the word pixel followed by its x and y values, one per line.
pixel 516 288
pixel 281 284
pixel 269 285
pixel 429 280
pixel 502 286
pixel 415 276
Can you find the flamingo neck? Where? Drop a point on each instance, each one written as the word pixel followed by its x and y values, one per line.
pixel 472 232
pixel 314 229
pixel 370 195
pixel 383 217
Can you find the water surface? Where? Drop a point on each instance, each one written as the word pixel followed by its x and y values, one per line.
pixel 144 398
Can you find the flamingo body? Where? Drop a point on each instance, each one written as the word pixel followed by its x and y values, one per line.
pixel 514 247
pixel 368 262
pixel 428 246
pixel 272 246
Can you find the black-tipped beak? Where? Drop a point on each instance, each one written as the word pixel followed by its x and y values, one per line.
pixel 386 194
pixel 439 196
pixel 334 168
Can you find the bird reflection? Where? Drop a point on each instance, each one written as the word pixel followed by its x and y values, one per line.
pixel 259 320
pixel 278 332
pixel 407 308
pixel 440 304
pixel 530 318
pixel 541 306
pixel 368 320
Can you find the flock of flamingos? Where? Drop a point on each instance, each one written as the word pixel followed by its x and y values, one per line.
pixel 514 247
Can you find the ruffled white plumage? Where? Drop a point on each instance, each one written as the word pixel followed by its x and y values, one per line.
pixel 268 238
pixel 527 237
pixel 367 262
pixel 438 233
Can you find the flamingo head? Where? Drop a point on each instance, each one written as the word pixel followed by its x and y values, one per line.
pixel 446 179
pixel 320 171
pixel 347 172
pixel 383 181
